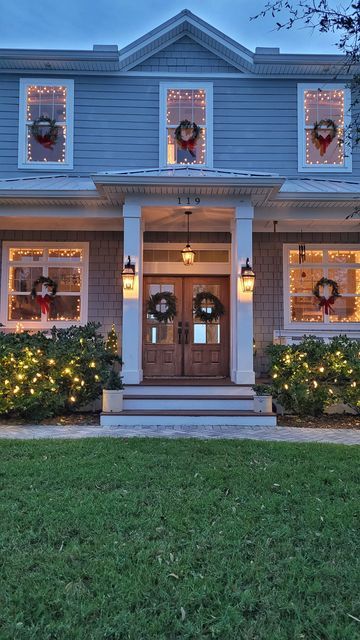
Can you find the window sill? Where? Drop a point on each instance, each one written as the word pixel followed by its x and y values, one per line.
pixel 292 336
pixel 45 166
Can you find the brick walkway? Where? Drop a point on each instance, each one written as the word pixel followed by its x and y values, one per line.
pixel 284 434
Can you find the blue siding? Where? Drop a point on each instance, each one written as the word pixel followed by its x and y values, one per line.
pixel 117 125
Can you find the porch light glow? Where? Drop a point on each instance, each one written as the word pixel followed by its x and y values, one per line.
pixel 247 277
pixel 188 255
pixel 128 274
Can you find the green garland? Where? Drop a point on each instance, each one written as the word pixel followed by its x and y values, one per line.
pixel 158 298
pixel 217 311
pixel 49 138
pixel 322 283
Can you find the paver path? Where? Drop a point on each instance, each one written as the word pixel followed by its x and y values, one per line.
pixel 286 434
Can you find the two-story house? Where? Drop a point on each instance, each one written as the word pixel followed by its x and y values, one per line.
pixel 184 137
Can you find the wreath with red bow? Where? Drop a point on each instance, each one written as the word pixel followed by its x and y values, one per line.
pixel 44 301
pixel 49 138
pixel 322 142
pixel 186 135
pixel 321 300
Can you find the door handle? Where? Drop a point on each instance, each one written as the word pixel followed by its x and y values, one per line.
pixel 186 333
pixel 179 332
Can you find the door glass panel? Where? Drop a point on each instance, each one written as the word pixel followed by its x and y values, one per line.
pixel 159 332
pixel 207 332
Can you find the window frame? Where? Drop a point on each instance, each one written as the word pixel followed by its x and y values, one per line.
pixel 316 327
pixel 302 166
pixel 23 163
pixel 208 88
pixel 41 325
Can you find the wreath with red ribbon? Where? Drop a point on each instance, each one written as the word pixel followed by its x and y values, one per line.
pixel 326 302
pixel 186 135
pixel 319 140
pixel 48 139
pixel 44 301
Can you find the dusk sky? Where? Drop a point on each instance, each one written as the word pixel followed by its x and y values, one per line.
pixel 78 24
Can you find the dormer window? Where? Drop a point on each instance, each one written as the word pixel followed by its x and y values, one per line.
pixel 324 118
pixel 46 124
pixel 185 124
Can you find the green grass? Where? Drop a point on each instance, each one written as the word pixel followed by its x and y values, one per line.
pixel 157 539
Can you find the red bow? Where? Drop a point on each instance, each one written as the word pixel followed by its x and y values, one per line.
pixel 326 303
pixel 44 303
pixel 188 145
pixel 323 143
pixel 45 141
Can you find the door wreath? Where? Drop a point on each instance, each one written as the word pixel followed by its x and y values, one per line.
pixel 44 301
pixel 186 136
pixel 199 302
pixel 321 300
pixel 155 300
pixel 48 139
pixel 320 141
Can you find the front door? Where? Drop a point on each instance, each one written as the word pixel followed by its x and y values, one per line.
pixel 186 345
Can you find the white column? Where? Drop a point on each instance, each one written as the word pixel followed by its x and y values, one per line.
pixel 242 330
pixel 132 298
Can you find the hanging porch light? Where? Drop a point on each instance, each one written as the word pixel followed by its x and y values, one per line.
pixel 128 274
pixel 247 277
pixel 188 255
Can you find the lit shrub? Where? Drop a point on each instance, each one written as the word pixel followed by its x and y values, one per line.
pixel 43 376
pixel 311 375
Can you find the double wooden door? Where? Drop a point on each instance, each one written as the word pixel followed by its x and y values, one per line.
pixel 186 346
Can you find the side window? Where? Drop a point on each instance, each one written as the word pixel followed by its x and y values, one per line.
pixel 46 124
pixel 186 124
pixel 324 117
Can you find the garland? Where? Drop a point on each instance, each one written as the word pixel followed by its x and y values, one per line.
pixel 186 135
pixel 320 141
pixel 321 300
pixel 206 316
pixel 44 301
pixel 48 139
pixel 156 299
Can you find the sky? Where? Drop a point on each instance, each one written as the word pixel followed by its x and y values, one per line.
pixel 78 24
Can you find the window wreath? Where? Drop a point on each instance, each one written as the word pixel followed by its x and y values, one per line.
pixel 49 138
pixel 44 301
pixel 157 299
pixel 199 303
pixel 319 140
pixel 322 301
pixel 186 135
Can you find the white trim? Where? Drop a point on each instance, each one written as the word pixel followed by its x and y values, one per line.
pixel 23 163
pixel 208 88
pixel 178 268
pixel 322 168
pixel 84 292
pixel 314 328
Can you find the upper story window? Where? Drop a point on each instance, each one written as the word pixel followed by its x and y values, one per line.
pixel 46 124
pixel 185 124
pixel 44 284
pixel 324 118
pixel 337 263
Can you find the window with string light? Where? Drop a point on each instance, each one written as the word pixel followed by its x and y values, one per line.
pixel 185 124
pixel 46 124
pixel 324 128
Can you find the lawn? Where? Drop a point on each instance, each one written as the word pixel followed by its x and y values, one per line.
pixel 116 539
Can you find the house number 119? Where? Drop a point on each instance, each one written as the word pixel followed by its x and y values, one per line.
pixel 187 200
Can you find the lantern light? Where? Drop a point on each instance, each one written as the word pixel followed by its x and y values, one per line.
pixel 247 277
pixel 188 255
pixel 128 274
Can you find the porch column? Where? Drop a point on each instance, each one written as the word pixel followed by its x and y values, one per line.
pixel 132 298
pixel 242 359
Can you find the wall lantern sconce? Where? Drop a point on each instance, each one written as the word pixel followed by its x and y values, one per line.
pixel 128 274
pixel 247 277
pixel 188 255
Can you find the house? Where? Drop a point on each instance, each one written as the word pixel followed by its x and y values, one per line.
pixel 97 174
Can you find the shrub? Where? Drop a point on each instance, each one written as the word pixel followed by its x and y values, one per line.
pixel 311 375
pixel 43 376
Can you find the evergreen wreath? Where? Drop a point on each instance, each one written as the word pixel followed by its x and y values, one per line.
pixel 44 301
pixel 158 298
pixel 321 300
pixel 319 140
pixel 49 138
pixel 192 133
pixel 217 311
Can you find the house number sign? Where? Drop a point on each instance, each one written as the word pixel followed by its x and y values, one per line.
pixel 188 200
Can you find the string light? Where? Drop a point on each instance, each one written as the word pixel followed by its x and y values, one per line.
pixel 48 102
pixel 186 104
pixel 323 105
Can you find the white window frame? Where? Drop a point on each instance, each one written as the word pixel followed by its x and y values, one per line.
pixel 23 163
pixel 6 264
pixel 302 166
pixel 314 328
pixel 208 88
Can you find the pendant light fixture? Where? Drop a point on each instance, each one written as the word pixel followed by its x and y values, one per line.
pixel 188 255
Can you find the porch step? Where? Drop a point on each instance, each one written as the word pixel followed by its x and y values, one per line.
pixel 187 417
pixel 188 389
pixel 183 402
